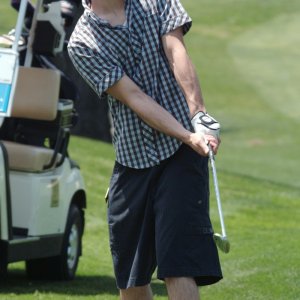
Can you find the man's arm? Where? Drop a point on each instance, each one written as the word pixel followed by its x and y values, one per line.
pixel 183 69
pixel 126 91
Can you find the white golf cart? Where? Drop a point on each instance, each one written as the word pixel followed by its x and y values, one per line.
pixel 42 193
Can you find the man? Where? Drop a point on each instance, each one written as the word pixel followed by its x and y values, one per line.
pixel 133 53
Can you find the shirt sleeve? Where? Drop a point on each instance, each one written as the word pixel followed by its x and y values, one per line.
pixel 174 15
pixel 100 69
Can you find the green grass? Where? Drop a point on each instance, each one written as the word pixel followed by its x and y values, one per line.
pixel 247 56
pixel 8 17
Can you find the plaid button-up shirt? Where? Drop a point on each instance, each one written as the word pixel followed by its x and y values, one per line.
pixel 103 54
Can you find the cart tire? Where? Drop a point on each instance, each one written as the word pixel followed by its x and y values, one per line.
pixel 62 267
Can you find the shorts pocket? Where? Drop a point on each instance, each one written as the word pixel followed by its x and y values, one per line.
pixel 199 228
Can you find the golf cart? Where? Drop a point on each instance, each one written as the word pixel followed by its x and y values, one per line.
pixel 42 193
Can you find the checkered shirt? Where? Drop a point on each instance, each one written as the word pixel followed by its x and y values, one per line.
pixel 102 54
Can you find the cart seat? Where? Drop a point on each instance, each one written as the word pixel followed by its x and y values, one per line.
pixel 36 95
pixel 36 98
pixel 28 158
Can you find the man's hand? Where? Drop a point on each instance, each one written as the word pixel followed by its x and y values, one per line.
pixel 208 130
pixel 204 124
pixel 199 143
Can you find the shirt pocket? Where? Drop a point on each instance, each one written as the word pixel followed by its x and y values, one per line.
pixel 116 42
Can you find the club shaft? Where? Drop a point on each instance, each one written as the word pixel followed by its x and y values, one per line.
pixel 216 187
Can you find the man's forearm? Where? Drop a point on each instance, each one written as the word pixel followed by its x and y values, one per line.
pixel 126 91
pixel 187 78
pixel 183 70
pixel 147 109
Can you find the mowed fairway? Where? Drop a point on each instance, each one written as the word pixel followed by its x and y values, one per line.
pixel 247 55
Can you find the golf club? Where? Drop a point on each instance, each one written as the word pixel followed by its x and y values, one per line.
pixel 221 240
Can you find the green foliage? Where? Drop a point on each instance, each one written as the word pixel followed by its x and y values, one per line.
pixel 246 54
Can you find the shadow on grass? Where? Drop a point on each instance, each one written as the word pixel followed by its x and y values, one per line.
pixel 83 285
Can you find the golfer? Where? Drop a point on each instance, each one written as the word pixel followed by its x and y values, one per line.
pixel 132 53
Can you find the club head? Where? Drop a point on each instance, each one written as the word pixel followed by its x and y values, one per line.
pixel 222 242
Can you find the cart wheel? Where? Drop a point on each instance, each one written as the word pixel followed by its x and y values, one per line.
pixel 62 267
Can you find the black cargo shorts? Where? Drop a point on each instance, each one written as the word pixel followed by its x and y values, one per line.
pixel 159 217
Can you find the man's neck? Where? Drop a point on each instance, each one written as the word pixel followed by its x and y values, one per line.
pixel 113 11
pixel 107 6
